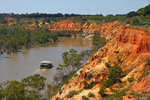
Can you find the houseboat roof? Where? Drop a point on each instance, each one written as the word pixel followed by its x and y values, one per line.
pixel 46 62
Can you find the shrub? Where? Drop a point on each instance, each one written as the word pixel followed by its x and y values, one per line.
pixel 107 65
pixel 89 86
pixel 116 51
pixel 108 82
pixel 90 94
pixel 60 91
pixel 71 93
pixel 102 90
pixel 89 76
pixel 88 68
pixel 115 74
pixel 147 72
pixel 85 98
pixel 146 92
pixel 75 75
pixel 130 79
pixel 119 60
pixel 132 93
pixel 148 61
pixel 85 83
pixel 117 94
pixel 124 73
pixel 81 71
pixel 57 98
pixel 98 42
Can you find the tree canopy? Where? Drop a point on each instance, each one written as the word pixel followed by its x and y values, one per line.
pixel 27 89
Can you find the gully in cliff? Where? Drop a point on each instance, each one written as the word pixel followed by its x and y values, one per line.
pixel 45 65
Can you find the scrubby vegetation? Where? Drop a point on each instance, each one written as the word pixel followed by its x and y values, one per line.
pixel 114 76
pixel 98 42
pixel 148 61
pixel 130 79
pixel 116 51
pixel 102 90
pixel 89 86
pixel 72 93
pixel 90 94
pixel 89 76
pixel 27 89
pixel 85 98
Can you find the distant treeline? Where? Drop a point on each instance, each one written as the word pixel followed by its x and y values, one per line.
pixel 39 15
pixel 14 38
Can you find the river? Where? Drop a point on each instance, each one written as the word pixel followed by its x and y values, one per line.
pixel 25 63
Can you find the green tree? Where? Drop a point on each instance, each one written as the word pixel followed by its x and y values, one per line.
pixel 35 82
pixel 98 41
pixel 102 90
pixel 14 91
pixel 117 94
pixel 26 90
pixel 114 76
pixel 144 11
pixel 71 59
pixel 132 14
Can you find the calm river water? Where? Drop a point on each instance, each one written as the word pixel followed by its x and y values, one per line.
pixel 20 65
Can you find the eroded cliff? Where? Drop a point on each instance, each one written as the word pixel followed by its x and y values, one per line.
pixel 127 47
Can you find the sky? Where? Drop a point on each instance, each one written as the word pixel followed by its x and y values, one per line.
pixel 92 7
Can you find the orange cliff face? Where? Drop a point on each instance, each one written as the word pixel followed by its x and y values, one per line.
pixel 73 26
pixel 139 37
pixel 133 46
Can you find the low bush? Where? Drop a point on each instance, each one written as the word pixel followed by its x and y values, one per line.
pixel 131 79
pixel 102 90
pixel 60 91
pixel 90 94
pixel 89 76
pixel 148 61
pixel 116 51
pixel 119 60
pixel 89 86
pixel 147 72
pixel 75 75
pixel 107 65
pixel 85 98
pixel 71 93
pixel 132 93
pixel 81 71
pixel 85 82
pixel 57 98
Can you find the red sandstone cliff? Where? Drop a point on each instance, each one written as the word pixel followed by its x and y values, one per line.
pixel 134 48
pixel 73 26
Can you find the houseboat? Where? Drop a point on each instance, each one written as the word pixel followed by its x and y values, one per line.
pixel 45 65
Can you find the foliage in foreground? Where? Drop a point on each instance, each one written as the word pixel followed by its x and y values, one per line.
pixel 28 89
